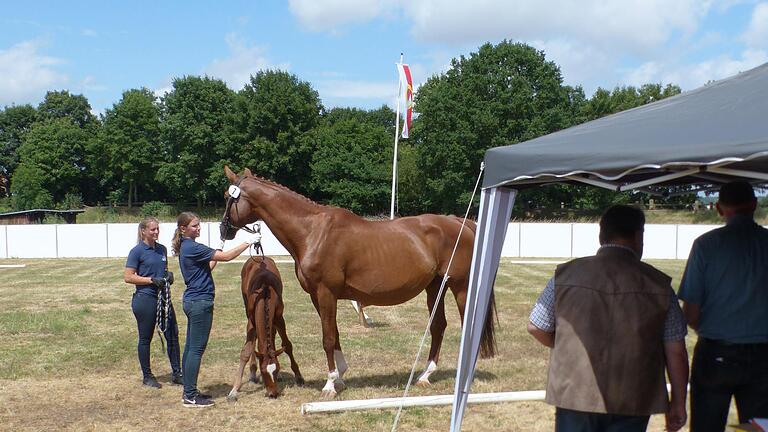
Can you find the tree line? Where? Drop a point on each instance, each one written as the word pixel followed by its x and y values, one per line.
pixel 173 148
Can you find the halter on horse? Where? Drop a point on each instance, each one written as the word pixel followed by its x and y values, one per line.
pixel 339 255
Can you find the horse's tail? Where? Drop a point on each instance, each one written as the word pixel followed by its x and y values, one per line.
pixel 488 337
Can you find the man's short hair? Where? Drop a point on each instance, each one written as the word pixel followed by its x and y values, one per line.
pixel 736 193
pixel 621 221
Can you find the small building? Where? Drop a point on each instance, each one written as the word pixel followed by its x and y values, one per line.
pixel 36 216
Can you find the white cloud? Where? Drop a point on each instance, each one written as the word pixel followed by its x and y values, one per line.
pixel 27 74
pixel 330 14
pixel 244 61
pixel 357 89
pixel 756 35
pixel 89 33
pixel 690 76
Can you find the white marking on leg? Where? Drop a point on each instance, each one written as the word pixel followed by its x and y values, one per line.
pixel 329 385
pixel 424 377
pixel 341 363
pixel 271 368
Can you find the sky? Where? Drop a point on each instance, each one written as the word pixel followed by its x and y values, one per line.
pixel 347 49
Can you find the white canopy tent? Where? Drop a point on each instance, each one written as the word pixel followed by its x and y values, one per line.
pixel 701 139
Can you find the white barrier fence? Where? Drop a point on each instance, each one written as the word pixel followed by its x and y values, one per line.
pixel 543 240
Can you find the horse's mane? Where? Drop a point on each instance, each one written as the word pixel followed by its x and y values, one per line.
pixel 283 188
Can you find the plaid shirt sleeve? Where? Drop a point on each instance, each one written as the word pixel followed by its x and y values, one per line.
pixel 543 313
pixel 675 328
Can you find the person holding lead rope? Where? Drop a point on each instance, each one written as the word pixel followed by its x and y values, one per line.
pixel 147 268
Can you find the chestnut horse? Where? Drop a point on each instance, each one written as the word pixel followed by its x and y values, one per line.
pixel 339 255
pixel 262 290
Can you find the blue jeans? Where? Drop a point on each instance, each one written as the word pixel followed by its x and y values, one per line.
pixel 720 371
pixel 199 321
pixel 145 310
pixel 577 421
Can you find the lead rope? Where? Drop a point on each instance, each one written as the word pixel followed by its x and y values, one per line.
pixel 437 303
pixel 163 307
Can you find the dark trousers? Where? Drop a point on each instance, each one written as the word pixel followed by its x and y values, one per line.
pixel 578 421
pixel 721 371
pixel 199 322
pixel 145 310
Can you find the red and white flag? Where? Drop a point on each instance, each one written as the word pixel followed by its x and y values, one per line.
pixel 406 86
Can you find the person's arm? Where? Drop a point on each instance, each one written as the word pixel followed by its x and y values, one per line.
pixel 544 337
pixel 220 255
pixel 130 276
pixel 676 356
pixel 692 314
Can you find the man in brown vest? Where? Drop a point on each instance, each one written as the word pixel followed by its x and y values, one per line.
pixel 614 325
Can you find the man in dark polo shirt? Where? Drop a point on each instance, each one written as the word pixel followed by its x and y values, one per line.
pixel 725 294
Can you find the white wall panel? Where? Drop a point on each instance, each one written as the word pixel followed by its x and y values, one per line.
pixel 585 239
pixel 86 240
pixel 545 240
pixel 121 238
pixel 511 247
pixel 31 241
pixel 3 241
pixel 686 234
pixel 660 242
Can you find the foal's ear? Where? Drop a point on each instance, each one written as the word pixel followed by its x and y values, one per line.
pixel 230 175
pixel 247 172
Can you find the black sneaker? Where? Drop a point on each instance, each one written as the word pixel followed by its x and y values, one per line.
pixel 198 401
pixel 151 381
pixel 177 379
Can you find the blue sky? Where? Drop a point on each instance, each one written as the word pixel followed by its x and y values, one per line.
pixel 347 48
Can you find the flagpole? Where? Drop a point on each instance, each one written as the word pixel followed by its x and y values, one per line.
pixel 397 136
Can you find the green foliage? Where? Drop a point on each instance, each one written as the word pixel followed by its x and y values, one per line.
pixel 350 167
pixel 27 188
pixel 15 122
pixel 74 108
pixel 57 148
pixel 155 208
pixel 71 201
pixel 197 132
pixel 130 138
pixel 278 110
pixel 500 95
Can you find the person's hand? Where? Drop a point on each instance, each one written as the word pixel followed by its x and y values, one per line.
pixel 158 282
pixel 221 245
pixel 676 416
pixel 169 277
pixel 253 238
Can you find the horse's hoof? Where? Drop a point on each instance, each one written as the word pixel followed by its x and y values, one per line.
pixel 423 383
pixel 254 379
pixel 272 395
pixel 299 381
pixel 328 394
pixel 232 397
pixel 339 385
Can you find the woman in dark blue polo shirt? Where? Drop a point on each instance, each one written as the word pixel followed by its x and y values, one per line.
pixel 196 261
pixel 147 268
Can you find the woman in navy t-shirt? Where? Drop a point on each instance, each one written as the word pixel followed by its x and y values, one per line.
pixel 147 268
pixel 196 261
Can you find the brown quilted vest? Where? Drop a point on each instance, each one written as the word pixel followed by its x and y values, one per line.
pixel 609 355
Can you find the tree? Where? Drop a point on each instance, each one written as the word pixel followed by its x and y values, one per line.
pixel 130 137
pixel 15 122
pixel 196 131
pixel 57 148
pixel 62 104
pixel 279 109
pixel 350 166
pixel 27 188
pixel 500 95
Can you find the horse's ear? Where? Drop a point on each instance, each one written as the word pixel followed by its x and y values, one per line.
pixel 230 175
pixel 247 172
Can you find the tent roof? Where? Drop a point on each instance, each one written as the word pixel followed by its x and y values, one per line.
pixel 707 136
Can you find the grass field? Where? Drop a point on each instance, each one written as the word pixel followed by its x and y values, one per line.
pixel 69 357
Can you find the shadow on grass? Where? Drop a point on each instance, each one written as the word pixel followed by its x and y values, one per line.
pixel 395 379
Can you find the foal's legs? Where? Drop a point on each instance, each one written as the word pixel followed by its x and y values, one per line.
pixel 288 347
pixel 245 354
pixel 436 330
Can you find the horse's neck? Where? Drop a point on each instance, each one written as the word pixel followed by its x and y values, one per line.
pixel 289 216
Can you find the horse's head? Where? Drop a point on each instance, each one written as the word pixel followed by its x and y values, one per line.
pixel 270 370
pixel 238 212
